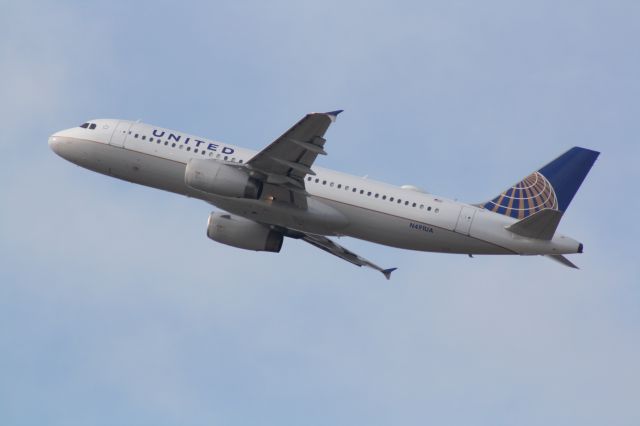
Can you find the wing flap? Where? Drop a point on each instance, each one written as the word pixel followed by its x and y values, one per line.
pixel 313 147
pixel 305 170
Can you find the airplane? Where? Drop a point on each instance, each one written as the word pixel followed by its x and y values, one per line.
pixel 278 192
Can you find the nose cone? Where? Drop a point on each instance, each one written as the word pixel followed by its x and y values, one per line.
pixel 55 143
pixel 65 146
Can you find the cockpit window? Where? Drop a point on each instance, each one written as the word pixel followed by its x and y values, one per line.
pixel 84 125
pixel 90 126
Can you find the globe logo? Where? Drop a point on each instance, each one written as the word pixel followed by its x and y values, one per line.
pixel 532 194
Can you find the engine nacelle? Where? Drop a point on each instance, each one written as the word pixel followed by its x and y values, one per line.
pixel 243 233
pixel 217 178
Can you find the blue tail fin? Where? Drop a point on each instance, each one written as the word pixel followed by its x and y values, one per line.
pixel 551 187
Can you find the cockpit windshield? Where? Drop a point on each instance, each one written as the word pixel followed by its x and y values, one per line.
pixel 90 126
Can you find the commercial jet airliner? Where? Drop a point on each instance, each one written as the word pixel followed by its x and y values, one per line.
pixel 275 193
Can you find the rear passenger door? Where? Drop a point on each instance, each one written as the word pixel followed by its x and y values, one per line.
pixel 465 219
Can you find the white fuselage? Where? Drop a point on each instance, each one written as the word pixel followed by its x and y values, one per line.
pixel 338 203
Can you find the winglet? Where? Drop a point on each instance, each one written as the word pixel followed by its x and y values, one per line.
pixel 387 272
pixel 334 114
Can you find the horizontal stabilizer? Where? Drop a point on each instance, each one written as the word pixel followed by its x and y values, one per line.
pixel 540 225
pixel 561 259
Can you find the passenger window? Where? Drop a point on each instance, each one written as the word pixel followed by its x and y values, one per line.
pixel 135 136
pixel 413 205
pixel 391 199
pixel 317 180
pixel 362 191
pixel 309 178
pixel 384 197
pixel 399 200
pixel 144 138
pixel 429 208
pixel 226 157
pixel 437 210
pixel 331 184
pixel 180 146
pixel 369 194
pixel 421 206
pixel 188 148
pixel 339 185
pixel 324 182
pixel 173 145
pixel 377 195
pixel 346 188
pixel 241 161
pixel 159 141
pixel 150 139
pixel 406 203
pixel 166 143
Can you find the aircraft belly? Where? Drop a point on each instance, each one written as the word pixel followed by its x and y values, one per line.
pixel 135 167
pixel 317 219
pixel 323 217
pixel 151 171
pixel 161 173
pixel 395 231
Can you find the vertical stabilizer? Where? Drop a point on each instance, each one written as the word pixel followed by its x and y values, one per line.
pixel 552 187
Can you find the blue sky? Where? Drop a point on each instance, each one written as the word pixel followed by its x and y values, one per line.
pixel 116 309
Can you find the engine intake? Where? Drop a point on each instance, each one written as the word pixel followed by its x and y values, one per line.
pixel 243 233
pixel 217 178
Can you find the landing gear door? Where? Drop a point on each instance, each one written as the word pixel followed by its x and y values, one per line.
pixel 120 134
pixel 464 220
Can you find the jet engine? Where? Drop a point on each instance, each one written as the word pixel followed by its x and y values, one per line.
pixel 243 233
pixel 218 178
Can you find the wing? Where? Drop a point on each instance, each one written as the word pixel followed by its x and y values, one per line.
pixel 335 249
pixel 285 162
